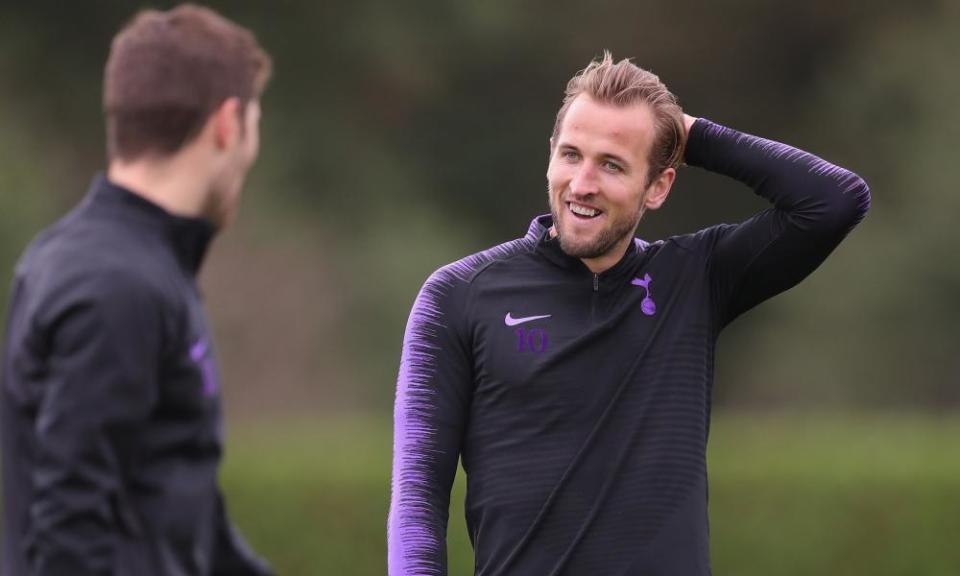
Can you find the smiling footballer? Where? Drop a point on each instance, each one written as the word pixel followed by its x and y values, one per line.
pixel 571 370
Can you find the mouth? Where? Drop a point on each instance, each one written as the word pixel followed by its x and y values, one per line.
pixel 582 211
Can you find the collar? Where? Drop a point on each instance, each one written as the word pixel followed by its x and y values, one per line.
pixel 189 238
pixel 549 248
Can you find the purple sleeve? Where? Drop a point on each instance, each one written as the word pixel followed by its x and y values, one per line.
pixel 432 399
pixel 815 205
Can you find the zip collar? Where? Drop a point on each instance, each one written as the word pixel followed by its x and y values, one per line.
pixel 611 278
pixel 188 238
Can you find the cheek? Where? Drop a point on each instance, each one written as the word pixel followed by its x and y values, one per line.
pixel 627 194
pixel 557 177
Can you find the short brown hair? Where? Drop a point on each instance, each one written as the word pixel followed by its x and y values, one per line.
pixel 624 83
pixel 168 71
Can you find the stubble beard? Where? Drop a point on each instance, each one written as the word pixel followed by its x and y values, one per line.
pixel 603 242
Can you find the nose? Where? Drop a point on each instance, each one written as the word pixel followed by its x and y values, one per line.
pixel 584 181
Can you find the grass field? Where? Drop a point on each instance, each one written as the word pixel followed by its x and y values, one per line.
pixel 790 495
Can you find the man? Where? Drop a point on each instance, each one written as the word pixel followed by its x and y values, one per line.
pixel 111 418
pixel 571 369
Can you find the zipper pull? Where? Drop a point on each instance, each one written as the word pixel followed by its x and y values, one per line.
pixel 596 282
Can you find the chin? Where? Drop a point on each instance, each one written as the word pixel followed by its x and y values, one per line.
pixel 578 247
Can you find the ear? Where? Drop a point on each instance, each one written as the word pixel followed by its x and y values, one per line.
pixel 659 189
pixel 227 123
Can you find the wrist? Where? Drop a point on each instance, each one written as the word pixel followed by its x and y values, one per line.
pixel 688 122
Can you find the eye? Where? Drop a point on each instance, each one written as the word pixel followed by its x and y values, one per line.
pixel 612 166
pixel 570 155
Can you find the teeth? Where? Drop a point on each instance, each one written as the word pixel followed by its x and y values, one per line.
pixel 583 210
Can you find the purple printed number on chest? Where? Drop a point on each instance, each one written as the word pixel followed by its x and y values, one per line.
pixel 199 354
pixel 529 338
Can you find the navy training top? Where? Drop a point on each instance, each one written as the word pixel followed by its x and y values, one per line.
pixel 110 406
pixel 579 403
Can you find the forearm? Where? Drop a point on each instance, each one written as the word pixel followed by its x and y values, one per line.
pixel 424 463
pixel 58 551
pixel 815 192
pixel 430 409
pixel 73 523
pixel 815 205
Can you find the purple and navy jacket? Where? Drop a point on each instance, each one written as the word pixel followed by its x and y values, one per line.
pixel 110 411
pixel 579 403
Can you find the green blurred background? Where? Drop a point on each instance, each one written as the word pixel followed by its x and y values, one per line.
pixel 399 136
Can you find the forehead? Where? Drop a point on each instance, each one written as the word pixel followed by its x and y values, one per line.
pixel 620 130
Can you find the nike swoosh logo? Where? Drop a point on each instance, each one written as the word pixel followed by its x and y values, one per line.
pixel 511 321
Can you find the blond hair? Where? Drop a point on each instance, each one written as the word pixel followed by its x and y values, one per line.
pixel 624 83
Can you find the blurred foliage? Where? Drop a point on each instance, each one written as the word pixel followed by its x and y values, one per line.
pixel 791 496
pixel 401 136
pixel 398 137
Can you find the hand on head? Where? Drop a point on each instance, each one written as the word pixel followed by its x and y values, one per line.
pixel 688 121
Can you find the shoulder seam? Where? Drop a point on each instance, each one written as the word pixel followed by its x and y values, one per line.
pixel 486 265
pixel 468 268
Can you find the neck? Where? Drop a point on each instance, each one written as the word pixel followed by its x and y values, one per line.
pixel 170 183
pixel 603 263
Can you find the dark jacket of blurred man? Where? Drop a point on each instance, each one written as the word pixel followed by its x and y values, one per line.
pixel 111 417
pixel 571 370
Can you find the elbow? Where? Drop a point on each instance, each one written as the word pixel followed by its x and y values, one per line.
pixel 855 200
pixel 849 204
pixel 859 192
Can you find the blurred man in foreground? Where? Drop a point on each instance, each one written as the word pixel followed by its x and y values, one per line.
pixel 571 369
pixel 111 417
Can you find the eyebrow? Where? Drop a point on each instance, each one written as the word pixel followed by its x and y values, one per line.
pixel 607 156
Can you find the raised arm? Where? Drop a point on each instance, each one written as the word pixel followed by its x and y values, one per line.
pixel 433 395
pixel 815 205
